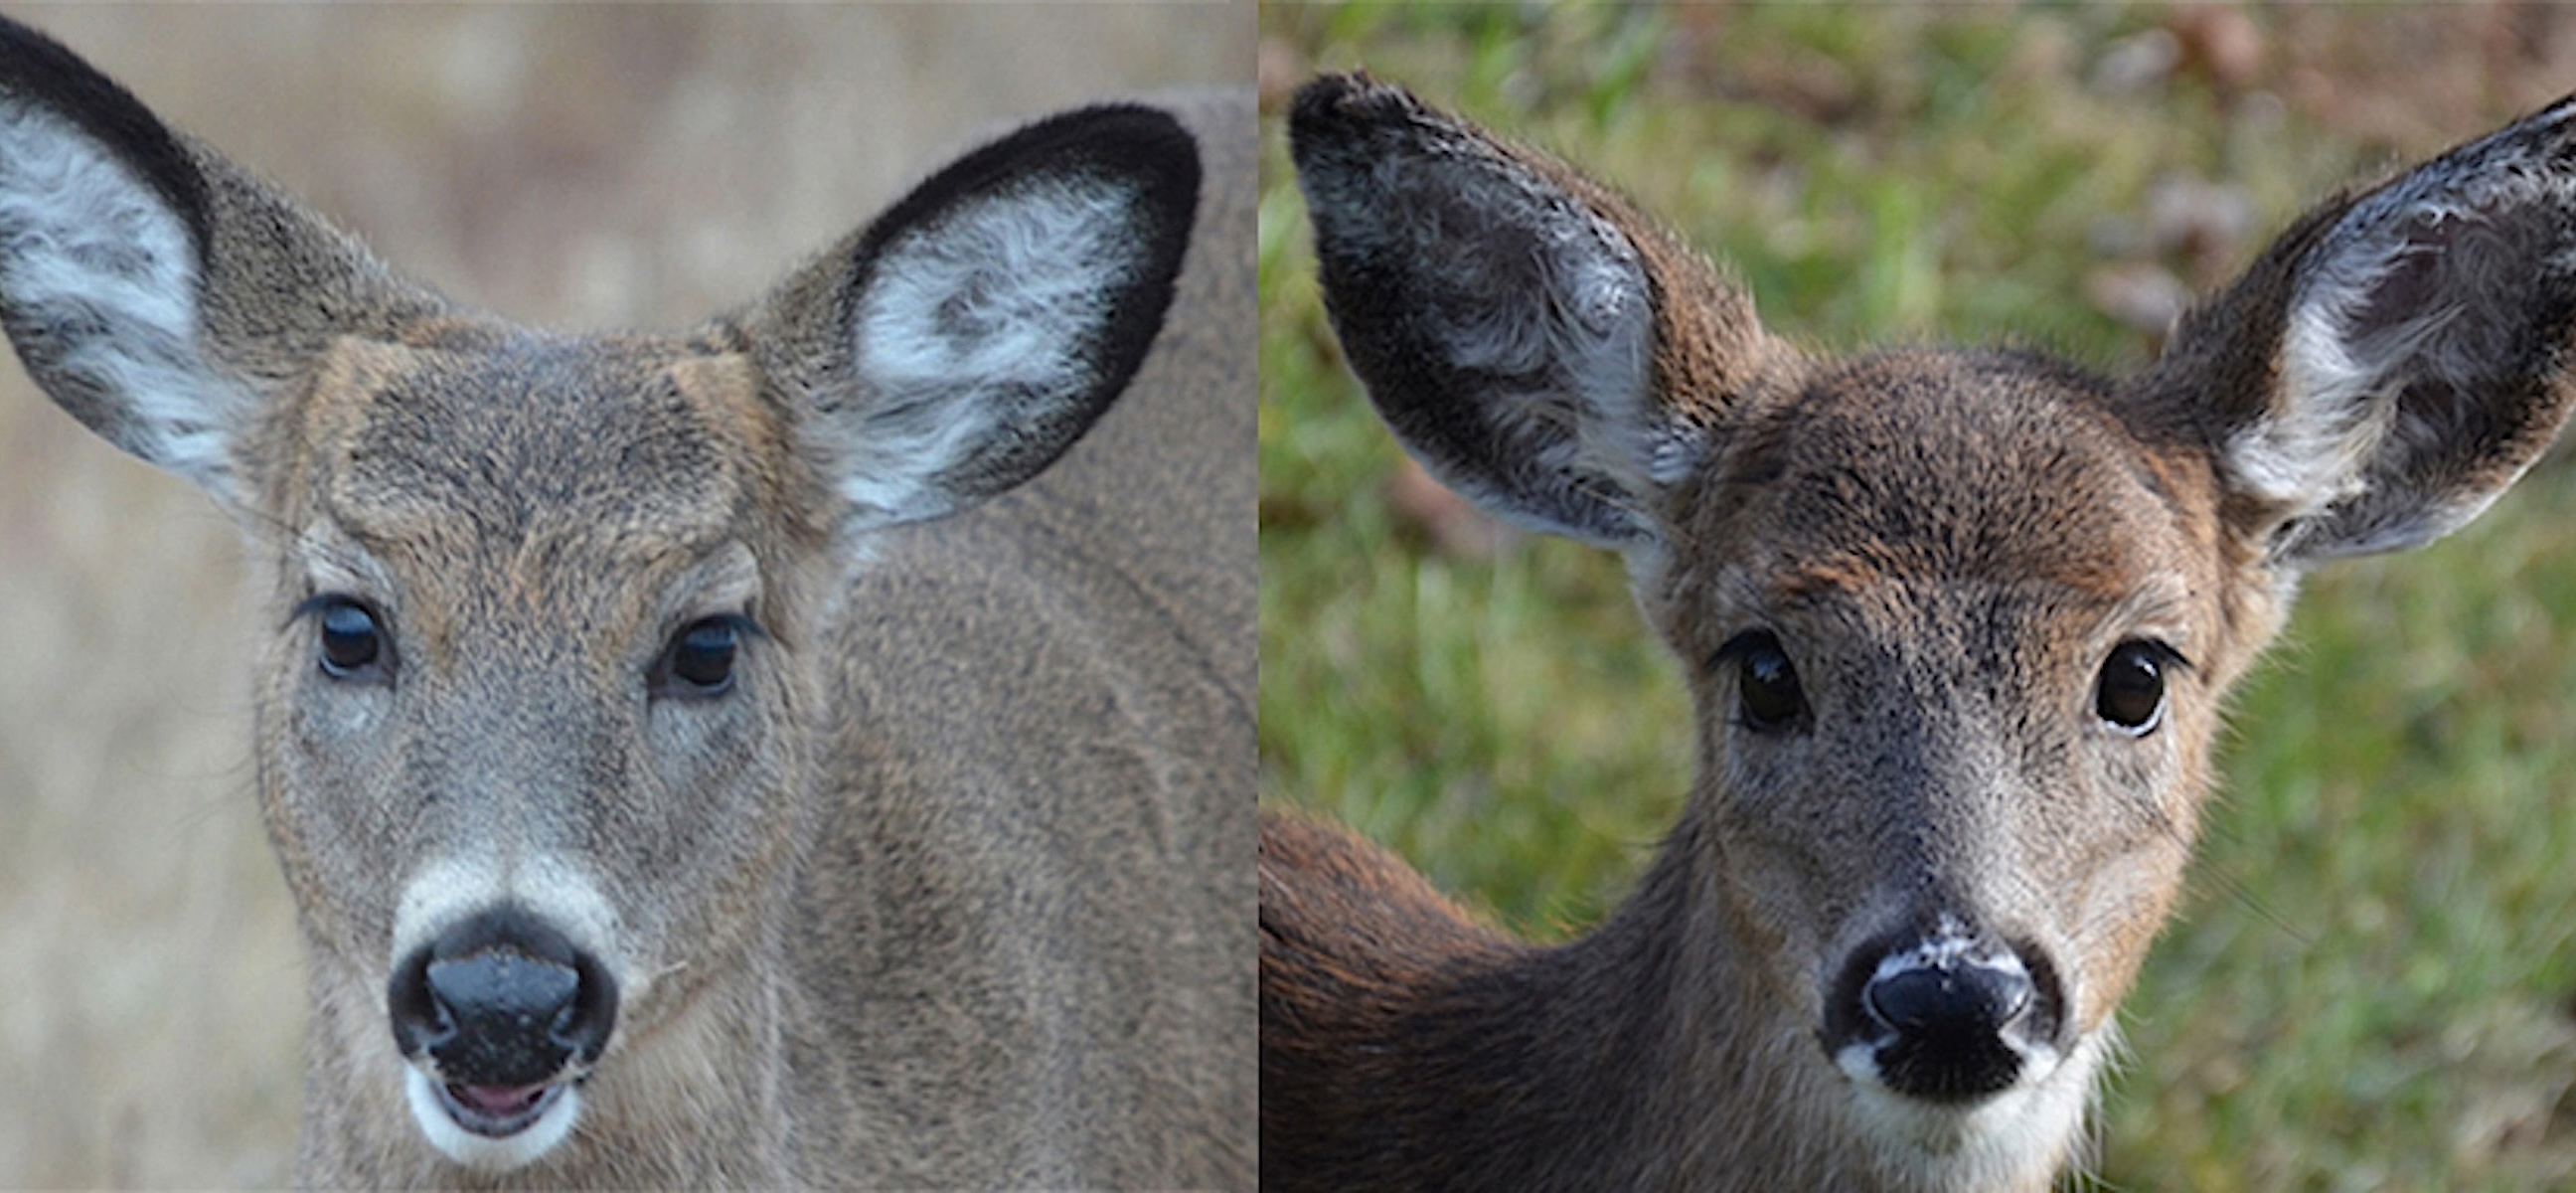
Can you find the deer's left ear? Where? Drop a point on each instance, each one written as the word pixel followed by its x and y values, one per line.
pixel 961 343
pixel 2395 361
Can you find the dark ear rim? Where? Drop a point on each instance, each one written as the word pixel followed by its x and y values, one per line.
pixel 38 68
pixel 1136 145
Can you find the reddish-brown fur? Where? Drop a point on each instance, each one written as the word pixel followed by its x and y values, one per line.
pixel 1967 560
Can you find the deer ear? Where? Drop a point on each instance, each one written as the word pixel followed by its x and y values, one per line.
pixel 1520 328
pixel 2397 360
pixel 961 343
pixel 103 231
pixel 158 293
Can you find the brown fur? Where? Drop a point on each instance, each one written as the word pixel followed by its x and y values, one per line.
pixel 948 892
pixel 1947 545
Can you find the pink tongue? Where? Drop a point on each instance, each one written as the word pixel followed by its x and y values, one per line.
pixel 499 1101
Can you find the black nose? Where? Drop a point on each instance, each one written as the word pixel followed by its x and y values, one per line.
pixel 502 999
pixel 1962 1000
pixel 1946 1017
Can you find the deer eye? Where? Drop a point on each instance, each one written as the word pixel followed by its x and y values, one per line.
pixel 698 663
pixel 1766 684
pixel 2130 694
pixel 351 642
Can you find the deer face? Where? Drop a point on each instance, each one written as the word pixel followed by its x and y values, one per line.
pixel 1948 620
pixel 1958 624
pixel 532 733
pixel 531 717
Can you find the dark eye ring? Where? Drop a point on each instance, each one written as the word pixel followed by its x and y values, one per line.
pixel 1767 693
pixel 352 642
pixel 699 662
pixel 2129 695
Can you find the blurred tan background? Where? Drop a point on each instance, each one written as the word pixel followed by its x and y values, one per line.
pixel 573 167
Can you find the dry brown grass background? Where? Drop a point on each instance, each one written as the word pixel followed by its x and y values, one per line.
pixel 575 167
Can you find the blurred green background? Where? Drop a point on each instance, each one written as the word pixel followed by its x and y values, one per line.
pixel 2370 982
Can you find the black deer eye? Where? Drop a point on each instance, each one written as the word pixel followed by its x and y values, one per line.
pixel 1766 684
pixel 699 661
pixel 353 645
pixel 2131 691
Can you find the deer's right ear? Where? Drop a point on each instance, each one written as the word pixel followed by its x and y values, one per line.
pixel 157 293
pixel 1535 343
pixel 103 229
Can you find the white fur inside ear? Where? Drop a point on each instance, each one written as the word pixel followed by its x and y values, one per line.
pixel 1591 327
pixel 1572 316
pixel 1538 302
pixel 100 271
pixel 984 320
pixel 2333 412
pixel 2429 280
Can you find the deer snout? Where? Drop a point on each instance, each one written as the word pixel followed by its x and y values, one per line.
pixel 1947 1017
pixel 502 1011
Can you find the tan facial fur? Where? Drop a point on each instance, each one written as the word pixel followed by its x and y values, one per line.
pixel 601 678
pixel 1958 625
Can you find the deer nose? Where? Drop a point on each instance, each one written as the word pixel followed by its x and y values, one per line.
pixel 1945 1017
pixel 501 1000
pixel 1949 1001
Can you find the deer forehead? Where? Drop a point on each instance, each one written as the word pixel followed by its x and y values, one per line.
pixel 577 487
pixel 611 452
pixel 1905 474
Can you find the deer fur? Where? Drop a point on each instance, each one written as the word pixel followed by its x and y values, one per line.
pixel 1922 598
pixel 941 882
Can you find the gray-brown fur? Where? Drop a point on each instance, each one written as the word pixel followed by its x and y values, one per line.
pixel 946 891
pixel 1955 551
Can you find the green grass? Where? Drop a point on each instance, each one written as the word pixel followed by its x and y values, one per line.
pixel 2369 985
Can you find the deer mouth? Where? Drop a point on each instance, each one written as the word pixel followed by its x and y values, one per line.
pixel 492 1129
pixel 498 1111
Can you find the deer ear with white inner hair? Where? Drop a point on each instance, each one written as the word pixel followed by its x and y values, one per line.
pixel 964 341
pixel 1506 314
pixel 2396 360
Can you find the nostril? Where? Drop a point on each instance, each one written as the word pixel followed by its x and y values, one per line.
pixel 582 1024
pixel 421 1023
pixel 1941 999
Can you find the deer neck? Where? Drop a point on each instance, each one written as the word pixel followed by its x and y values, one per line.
pixel 1665 1052
pixel 1637 1056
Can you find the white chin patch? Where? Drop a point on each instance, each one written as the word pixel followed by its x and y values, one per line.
pixel 2012 1139
pixel 485 1153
